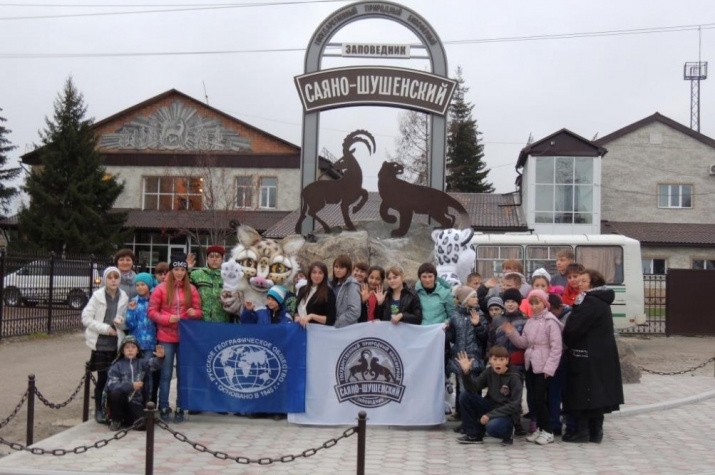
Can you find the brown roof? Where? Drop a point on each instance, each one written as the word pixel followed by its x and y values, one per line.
pixel 562 143
pixel 151 219
pixel 657 117
pixel 671 234
pixel 489 213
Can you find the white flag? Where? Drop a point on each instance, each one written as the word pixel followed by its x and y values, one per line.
pixel 395 373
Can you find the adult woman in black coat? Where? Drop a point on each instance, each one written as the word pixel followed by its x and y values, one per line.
pixel 594 386
pixel 400 304
pixel 316 300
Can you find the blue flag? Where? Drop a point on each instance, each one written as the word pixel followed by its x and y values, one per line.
pixel 242 368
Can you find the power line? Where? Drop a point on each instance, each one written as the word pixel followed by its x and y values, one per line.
pixel 170 10
pixel 557 36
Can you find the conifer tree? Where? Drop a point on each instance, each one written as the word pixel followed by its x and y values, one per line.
pixel 7 193
pixel 466 169
pixel 70 193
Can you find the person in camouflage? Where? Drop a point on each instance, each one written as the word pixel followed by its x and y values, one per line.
pixel 209 283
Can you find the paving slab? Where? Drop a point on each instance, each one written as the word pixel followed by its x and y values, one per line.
pixel 670 429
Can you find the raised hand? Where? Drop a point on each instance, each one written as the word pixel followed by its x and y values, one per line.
pixel 190 260
pixel 159 351
pixel 364 292
pixel 474 316
pixel 380 294
pixel 465 362
pixel 249 305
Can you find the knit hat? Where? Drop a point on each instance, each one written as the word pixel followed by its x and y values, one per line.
pixel 541 272
pixel 218 249
pixel 495 302
pixel 464 293
pixel 145 277
pixel 178 260
pixel 277 293
pixel 512 294
pixel 108 270
pixel 541 295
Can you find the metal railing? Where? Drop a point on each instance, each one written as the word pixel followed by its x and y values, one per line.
pixel 654 290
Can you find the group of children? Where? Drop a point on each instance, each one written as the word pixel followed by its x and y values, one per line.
pixel 512 325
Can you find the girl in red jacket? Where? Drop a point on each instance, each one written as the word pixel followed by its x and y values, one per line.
pixel 172 300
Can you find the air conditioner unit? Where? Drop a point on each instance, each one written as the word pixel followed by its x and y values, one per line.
pixel 712 169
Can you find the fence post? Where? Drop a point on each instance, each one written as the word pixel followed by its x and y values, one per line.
pixel 85 402
pixel 90 287
pixel 150 412
pixel 51 292
pixel 2 287
pixel 30 409
pixel 362 418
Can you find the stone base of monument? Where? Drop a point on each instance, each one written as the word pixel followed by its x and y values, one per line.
pixel 372 243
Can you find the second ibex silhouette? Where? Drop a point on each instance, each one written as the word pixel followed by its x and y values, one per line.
pixel 345 190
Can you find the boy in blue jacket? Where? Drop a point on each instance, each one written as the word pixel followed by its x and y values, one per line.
pixel 140 326
pixel 274 311
pixel 126 393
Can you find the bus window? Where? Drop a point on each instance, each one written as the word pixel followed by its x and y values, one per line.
pixel 608 260
pixel 542 257
pixel 490 259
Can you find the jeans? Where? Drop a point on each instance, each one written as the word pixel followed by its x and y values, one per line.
pixel 122 410
pixel 473 407
pixel 171 350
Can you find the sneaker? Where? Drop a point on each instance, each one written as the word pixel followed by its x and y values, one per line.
pixel 532 426
pixel 519 430
pixel 545 438
pixel 509 440
pixel 100 417
pixel 458 429
pixel 532 438
pixel 454 417
pixel 115 426
pixel 165 414
pixel 471 439
pixel 179 416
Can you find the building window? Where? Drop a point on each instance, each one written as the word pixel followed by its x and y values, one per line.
pixel 564 190
pixel 244 192
pixel 703 264
pixel 172 193
pixel 654 266
pixel 268 190
pixel 675 196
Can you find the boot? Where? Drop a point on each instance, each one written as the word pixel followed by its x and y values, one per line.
pixel 99 416
pixel 595 429
pixel 581 434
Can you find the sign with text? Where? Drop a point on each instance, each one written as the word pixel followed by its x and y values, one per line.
pixel 372 85
pixel 242 368
pixel 369 50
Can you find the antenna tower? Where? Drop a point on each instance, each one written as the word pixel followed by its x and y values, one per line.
pixel 695 71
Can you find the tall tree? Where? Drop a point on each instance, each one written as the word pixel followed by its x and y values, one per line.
pixel 412 146
pixel 466 169
pixel 71 194
pixel 7 193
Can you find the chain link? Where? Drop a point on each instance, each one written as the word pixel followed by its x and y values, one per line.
pixel 261 461
pixel 94 380
pixel 16 410
pixel 671 373
pixel 62 404
pixel 76 450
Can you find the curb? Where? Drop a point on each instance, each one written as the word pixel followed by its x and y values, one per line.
pixel 637 410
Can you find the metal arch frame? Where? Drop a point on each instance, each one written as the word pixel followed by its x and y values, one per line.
pixel 313 60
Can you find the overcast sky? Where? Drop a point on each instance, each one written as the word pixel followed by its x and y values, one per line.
pixel 590 85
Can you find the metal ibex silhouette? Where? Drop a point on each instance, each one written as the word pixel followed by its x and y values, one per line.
pixel 345 190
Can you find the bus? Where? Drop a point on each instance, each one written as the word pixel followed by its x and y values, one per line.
pixel 617 257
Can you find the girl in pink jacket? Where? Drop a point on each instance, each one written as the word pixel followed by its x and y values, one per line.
pixel 541 338
pixel 172 300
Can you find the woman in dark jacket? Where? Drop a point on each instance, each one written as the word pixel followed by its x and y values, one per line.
pixel 316 300
pixel 593 386
pixel 400 304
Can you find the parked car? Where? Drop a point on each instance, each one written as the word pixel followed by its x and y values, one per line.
pixel 71 283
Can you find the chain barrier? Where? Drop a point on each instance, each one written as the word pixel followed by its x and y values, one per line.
pixel 52 405
pixel 261 461
pixel 94 380
pixel 671 373
pixel 16 410
pixel 80 449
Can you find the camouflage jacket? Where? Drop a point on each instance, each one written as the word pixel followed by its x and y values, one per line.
pixel 210 284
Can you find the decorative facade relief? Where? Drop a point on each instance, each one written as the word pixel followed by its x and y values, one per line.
pixel 175 128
